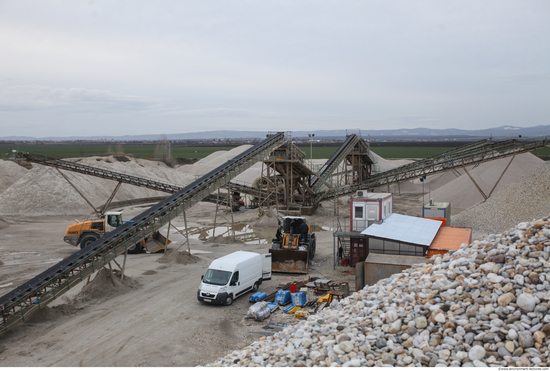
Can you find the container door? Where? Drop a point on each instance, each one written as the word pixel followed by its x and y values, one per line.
pixel 266 269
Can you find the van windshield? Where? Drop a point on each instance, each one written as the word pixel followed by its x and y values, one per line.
pixel 216 277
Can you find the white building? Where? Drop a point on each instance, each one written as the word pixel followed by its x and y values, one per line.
pixel 369 208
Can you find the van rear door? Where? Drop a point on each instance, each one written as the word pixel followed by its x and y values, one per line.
pixel 266 269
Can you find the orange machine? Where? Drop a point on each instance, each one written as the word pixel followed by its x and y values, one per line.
pixel 85 233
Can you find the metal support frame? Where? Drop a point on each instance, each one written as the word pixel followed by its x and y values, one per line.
pixel 501 175
pixel 80 193
pixel 475 183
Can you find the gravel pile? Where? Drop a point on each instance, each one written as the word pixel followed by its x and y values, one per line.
pixel 524 199
pixel 10 172
pixel 486 304
pixel 43 191
pixel 462 193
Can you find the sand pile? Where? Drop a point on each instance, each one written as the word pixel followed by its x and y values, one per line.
pixel 43 191
pixel 525 199
pixel 212 161
pixel 98 290
pixel 486 304
pixel 52 313
pixel 462 193
pixel 178 257
pixel 381 164
pixel 102 287
pixel 10 173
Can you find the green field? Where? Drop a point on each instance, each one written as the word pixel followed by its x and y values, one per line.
pixel 148 151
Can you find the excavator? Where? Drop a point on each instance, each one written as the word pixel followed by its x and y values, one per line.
pixel 86 232
pixel 291 250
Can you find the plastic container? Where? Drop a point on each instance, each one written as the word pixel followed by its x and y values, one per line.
pixel 289 308
pixel 282 297
pixel 257 296
pixel 292 288
pixel 299 299
pixel 259 311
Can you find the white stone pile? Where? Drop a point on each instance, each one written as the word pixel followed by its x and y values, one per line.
pixel 487 304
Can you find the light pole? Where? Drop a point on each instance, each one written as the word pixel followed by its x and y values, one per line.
pixel 311 146
pixel 422 180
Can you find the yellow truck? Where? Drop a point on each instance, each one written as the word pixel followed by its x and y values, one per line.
pixel 86 232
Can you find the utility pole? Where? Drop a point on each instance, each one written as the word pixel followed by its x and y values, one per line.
pixel 311 147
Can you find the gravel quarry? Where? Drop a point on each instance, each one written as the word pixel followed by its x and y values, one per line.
pixel 151 317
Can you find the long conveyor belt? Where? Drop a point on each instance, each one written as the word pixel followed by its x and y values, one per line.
pixel 471 154
pixel 125 178
pixel 328 168
pixel 20 303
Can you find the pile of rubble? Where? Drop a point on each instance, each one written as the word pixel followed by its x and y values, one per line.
pixel 486 304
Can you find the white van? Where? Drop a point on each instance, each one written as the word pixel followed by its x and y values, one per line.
pixel 234 275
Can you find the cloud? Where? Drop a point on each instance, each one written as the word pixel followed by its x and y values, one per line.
pixel 36 97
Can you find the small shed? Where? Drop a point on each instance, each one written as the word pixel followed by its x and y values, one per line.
pixel 402 235
pixel 367 208
pixel 437 210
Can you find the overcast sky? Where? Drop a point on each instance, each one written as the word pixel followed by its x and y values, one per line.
pixel 98 67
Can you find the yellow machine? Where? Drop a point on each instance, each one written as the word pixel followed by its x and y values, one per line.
pixel 291 249
pixel 85 233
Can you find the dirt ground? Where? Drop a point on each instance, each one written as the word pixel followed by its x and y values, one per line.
pixel 153 318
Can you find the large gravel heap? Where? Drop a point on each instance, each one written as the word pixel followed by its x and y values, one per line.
pixel 528 197
pixel 487 304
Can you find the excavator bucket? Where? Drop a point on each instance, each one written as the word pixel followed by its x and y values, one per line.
pixel 156 242
pixel 289 261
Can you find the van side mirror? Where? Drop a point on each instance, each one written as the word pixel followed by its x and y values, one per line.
pixel 202 277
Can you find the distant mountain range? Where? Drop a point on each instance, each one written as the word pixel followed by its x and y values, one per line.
pixel 417 133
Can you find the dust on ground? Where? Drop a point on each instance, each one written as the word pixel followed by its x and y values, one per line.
pixel 178 257
pixel 102 287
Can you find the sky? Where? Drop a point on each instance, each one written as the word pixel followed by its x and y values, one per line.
pixel 121 67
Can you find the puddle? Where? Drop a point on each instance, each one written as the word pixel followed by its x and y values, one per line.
pixel 243 232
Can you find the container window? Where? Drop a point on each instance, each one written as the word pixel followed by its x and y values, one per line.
pixel 359 212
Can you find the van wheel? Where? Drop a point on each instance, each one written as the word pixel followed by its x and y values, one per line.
pixel 228 301
pixel 136 249
pixel 87 241
pixel 256 286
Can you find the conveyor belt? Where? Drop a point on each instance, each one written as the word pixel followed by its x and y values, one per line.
pixel 124 178
pixel 17 305
pixel 471 154
pixel 328 168
pixel 98 172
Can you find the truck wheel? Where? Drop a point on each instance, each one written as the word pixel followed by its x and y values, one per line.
pixel 136 249
pixel 87 241
pixel 256 286
pixel 312 248
pixel 228 301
